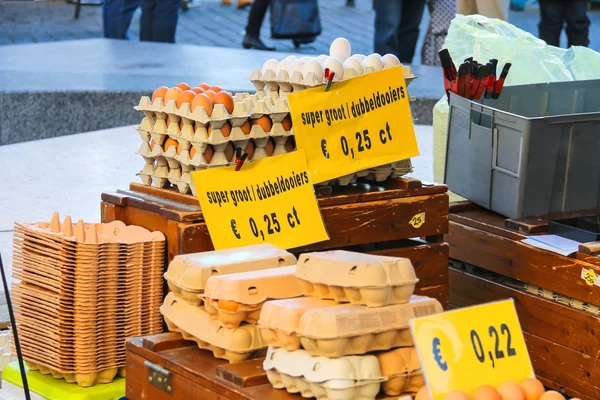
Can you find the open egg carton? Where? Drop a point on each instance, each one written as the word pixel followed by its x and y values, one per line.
pixel 177 141
pixel 80 290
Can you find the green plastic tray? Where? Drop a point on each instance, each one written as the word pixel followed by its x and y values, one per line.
pixel 57 389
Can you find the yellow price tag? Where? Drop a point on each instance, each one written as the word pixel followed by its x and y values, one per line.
pixel 590 277
pixel 360 123
pixel 470 347
pixel 267 201
pixel 418 220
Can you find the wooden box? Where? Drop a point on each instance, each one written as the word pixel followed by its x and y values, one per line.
pixel 367 218
pixel 554 302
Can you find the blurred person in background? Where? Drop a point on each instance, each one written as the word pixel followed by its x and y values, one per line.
pixel 397 27
pixel 441 13
pixel 555 13
pixel 489 8
pixel 255 20
pixel 157 24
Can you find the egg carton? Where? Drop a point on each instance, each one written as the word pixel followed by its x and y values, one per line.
pixel 6 355
pixel 378 174
pixel 360 344
pixel 84 380
pixel 283 82
pixel 232 319
pixel 357 278
pixel 195 324
pixel 324 378
pixel 402 384
pixel 403 369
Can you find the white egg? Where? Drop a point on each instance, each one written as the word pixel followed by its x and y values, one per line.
pixel 355 65
pixel 270 64
pixel 322 58
pixel 315 67
pixel 306 58
pixel 336 66
pixel 390 60
pixel 359 57
pixel 295 66
pixel 290 58
pixel 374 61
pixel 283 66
pixel 340 48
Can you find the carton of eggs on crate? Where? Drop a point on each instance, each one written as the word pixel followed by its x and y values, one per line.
pixel 293 74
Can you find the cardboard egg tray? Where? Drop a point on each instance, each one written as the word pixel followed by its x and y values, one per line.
pixel 234 345
pixel 234 298
pixel 324 378
pixel 187 274
pixel 402 368
pixel 357 278
pixel 283 83
pixel 81 290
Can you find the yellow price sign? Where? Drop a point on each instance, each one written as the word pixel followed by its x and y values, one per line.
pixel 267 201
pixel 470 347
pixel 358 124
pixel 418 220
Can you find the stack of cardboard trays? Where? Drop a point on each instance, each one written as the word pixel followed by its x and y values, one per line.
pixel 80 290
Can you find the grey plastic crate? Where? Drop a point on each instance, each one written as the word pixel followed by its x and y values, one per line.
pixel 534 151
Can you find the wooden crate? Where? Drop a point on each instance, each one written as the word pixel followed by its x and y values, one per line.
pixel 194 374
pixel 562 340
pixel 366 218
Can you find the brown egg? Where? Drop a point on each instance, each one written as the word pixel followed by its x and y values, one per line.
pixel 226 99
pixel 423 394
pixel 216 89
pixel 510 390
pixel 179 149
pixel 208 154
pixel 197 90
pixel 159 93
pixel 486 392
pixel 226 305
pixel 286 123
pixel 225 129
pixel 552 395
pixel 152 143
pixel 181 125
pixel 229 152
pixel 532 388
pixel 210 94
pixel 246 127
pixel 192 152
pixel 456 395
pixel 250 148
pixel 263 121
pixel 183 86
pixel 170 143
pixel 203 101
pixel 172 94
pixel 204 86
pixel 185 97
pixel 290 144
pixel 270 147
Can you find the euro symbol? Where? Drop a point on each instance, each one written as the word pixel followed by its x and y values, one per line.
pixel 234 229
pixel 437 355
pixel 324 148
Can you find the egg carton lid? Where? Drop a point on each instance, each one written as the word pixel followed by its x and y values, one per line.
pixel 284 315
pixel 299 363
pixel 348 320
pixel 254 287
pixel 350 269
pixel 191 271
pixel 196 322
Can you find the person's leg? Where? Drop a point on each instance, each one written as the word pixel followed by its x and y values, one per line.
pixel 388 14
pixel 159 20
pixel 408 32
pixel 551 21
pixel 255 20
pixel 578 23
pixel 116 17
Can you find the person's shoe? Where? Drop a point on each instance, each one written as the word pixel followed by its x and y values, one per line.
pixel 350 3
pixel 255 43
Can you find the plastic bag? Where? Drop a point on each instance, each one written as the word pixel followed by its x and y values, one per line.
pixel 295 19
pixel 533 61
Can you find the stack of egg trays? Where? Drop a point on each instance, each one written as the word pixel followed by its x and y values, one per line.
pixel 279 85
pixel 191 131
pixel 80 291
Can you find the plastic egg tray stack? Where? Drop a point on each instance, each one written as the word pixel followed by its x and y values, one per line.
pixel 278 85
pixel 353 328
pixel 216 297
pixel 80 290
pixel 202 141
pixel 6 353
